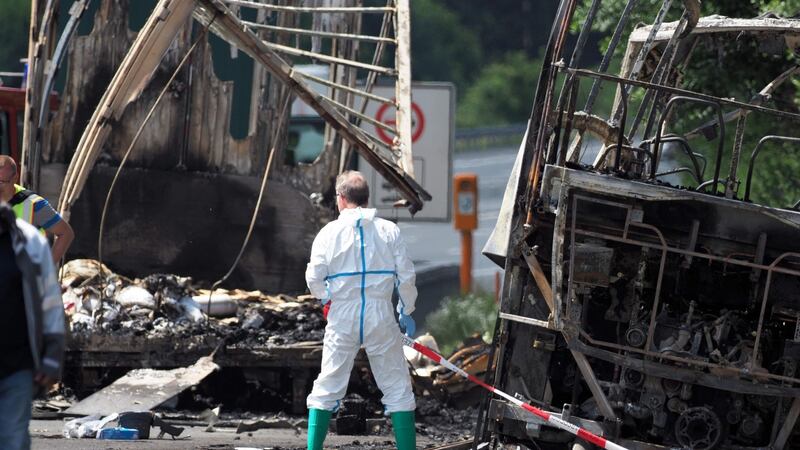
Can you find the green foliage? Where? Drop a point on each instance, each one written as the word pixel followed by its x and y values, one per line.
pixel 461 317
pixel 504 26
pixel 502 94
pixel 14 33
pixel 782 190
pixel 442 49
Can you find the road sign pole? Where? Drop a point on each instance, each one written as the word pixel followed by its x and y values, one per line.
pixel 466 261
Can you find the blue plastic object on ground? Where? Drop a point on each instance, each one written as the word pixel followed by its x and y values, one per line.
pixel 118 433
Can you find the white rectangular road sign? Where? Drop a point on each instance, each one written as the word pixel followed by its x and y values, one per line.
pixel 433 124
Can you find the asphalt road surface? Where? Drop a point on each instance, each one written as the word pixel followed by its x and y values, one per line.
pixel 46 435
pixel 439 243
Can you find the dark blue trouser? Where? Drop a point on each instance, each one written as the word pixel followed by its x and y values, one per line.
pixel 16 394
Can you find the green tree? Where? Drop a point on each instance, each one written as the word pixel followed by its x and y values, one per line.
pixel 461 317
pixel 502 94
pixel 14 33
pixel 442 49
pixel 506 25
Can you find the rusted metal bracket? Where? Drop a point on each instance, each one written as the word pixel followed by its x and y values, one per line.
pixel 538 275
pixel 580 359
pixel 788 426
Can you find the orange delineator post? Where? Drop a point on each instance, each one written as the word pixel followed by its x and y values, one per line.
pixel 465 219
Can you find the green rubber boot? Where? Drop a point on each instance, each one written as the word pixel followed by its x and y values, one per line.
pixel 318 420
pixel 404 432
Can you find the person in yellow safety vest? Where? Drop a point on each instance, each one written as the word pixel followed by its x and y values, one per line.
pixel 34 208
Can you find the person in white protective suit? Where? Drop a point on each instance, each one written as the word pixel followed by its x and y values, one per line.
pixel 356 262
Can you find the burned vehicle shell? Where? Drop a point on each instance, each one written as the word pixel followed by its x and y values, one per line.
pixel 658 312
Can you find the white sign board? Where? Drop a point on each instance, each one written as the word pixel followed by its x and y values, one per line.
pixel 433 112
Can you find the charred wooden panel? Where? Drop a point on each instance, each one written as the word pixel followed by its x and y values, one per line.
pixel 190 128
pixel 194 224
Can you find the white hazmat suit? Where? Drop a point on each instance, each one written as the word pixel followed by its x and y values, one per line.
pixel 356 261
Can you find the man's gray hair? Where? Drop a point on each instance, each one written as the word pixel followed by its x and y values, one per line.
pixel 353 187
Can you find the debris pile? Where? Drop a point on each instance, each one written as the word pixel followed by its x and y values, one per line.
pixel 99 302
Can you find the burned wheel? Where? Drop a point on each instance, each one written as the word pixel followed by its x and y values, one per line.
pixel 698 429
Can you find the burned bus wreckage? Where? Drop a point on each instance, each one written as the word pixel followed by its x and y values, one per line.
pixel 655 309
pixel 172 108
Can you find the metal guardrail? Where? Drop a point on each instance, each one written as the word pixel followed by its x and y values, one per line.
pixel 488 137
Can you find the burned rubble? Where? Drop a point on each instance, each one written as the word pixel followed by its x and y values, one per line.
pixel 163 320
pixel 101 304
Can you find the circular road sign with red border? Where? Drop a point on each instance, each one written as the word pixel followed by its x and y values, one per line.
pixel 417 122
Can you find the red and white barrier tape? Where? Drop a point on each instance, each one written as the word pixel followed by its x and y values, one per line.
pixel 544 415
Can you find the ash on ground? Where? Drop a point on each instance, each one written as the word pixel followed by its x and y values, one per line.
pixel 99 302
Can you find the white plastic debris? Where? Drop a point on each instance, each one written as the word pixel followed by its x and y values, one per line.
pixel 139 311
pixel 222 305
pixel 86 427
pixel 253 320
pixel 135 296
pixel 110 313
pixel 191 310
pixel 81 318
pixel 415 358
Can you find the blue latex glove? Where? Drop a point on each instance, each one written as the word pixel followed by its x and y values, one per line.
pixel 407 324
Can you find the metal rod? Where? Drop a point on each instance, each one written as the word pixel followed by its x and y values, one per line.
pixel 660 130
pixel 612 46
pixel 355 37
pixel 677 91
pixel 680 170
pixel 358 92
pixel 679 359
pixel 371 77
pixel 754 155
pixel 402 64
pixel 731 187
pixel 310 9
pixel 660 75
pixel 586 29
pixel 648 43
pixel 379 142
pixel 767 285
pixel 604 152
pixel 549 76
pixel 330 59
pixel 621 126
pixel 369 119
pixel 707 256
pixel 573 97
pixel 526 320
pixel 657 296
pixel 686 149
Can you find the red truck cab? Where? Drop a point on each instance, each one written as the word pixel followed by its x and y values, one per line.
pixel 12 116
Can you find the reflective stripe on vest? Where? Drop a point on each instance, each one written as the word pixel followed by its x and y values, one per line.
pixel 24 208
pixel 24 204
